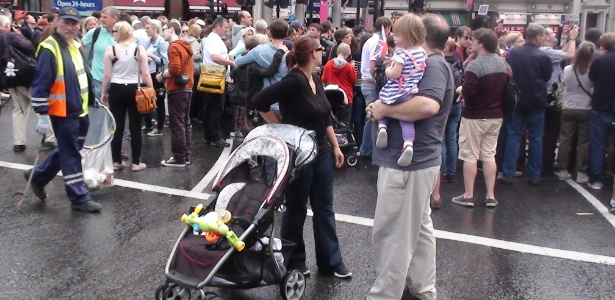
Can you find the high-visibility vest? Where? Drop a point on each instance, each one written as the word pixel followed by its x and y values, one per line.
pixel 57 93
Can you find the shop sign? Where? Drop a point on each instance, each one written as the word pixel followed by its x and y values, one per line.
pixel 513 19
pixel 548 19
pixel 504 29
pixel 81 5
pixel 554 28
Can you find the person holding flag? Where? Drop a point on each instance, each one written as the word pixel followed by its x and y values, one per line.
pixel 373 49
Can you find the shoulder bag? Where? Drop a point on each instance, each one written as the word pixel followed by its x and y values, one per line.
pixel 145 97
pixel 24 66
pixel 182 80
pixel 579 81
pixel 212 79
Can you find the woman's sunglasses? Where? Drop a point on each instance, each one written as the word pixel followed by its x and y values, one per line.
pixel 320 49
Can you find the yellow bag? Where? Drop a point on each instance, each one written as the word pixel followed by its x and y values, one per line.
pixel 212 79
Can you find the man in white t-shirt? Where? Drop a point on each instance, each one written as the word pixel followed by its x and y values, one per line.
pixel 369 56
pixel 215 53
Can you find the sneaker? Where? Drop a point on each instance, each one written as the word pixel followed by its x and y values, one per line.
pixel 303 269
pixel 382 140
pixel 155 132
pixel 505 180
pixel 89 206
pixel 490 202
pixel 463 201
pixel 119 166
pixel 19 148
pixel 171 162
pixel 582 177
pixel 406 156
pixel 187 161
pixel 563 175
pixel 136 168
pixel 518 174
pixel 39 191
pixel 451 178
pixel 146 129
pixel 220 143
pixel 48 146
pixel 342 272
pixel 595 185
pixel 534 181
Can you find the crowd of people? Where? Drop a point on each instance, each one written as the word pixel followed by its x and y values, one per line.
pixel 417 99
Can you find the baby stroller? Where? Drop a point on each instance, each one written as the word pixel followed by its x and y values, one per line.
pixel 251 186
pixel 337 97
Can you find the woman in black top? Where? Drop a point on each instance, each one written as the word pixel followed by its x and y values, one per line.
pixel 303 103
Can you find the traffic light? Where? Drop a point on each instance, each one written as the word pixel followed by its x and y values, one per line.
pixel 372 7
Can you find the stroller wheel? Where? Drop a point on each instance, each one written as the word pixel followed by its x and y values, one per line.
pixel 293 286
pixel 172 292
pixel 352 160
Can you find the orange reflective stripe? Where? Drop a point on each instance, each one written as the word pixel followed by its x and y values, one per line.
pixel 57 108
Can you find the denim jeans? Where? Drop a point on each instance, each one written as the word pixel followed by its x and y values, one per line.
pixel 315 183
pixel 358 113
pixel 599 131
pixel 97 88
pixel 449 145
pixel 534 121
pixel 370 94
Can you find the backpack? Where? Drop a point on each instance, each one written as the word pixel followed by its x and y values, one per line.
pixel 457 69
pixel 510 99
pixel 380 76
pixel 23 68
pixel 91 48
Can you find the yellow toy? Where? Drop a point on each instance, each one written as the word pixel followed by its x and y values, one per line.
pixel 213 224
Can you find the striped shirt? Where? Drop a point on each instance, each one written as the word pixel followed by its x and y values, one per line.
pixel 413 61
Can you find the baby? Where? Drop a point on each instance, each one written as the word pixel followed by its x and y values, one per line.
pixel 404 72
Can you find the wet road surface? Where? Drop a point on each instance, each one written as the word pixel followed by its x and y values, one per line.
pixel 544 242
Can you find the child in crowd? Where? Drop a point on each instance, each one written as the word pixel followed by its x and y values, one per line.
pixel 405 70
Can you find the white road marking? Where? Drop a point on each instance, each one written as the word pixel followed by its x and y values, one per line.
pixel 603 210
pixel 129 184
pixel 214 170
pixel 495 243
pixel 453 236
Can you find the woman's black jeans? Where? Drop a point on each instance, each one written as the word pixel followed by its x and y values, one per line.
pixel 122 100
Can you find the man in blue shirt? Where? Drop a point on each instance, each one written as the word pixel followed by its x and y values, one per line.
pixel 263 56
pixel 532 70
pixel 109 16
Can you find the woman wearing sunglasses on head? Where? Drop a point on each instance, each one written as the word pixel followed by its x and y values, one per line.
pixel 303 103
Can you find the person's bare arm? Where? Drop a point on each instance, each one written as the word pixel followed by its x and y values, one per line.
pixel 415 109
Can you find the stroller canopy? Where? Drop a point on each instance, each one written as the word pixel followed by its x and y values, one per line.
pixel 302 141
pixel 268 146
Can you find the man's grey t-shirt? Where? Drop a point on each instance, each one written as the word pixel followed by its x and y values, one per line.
pixel 437 84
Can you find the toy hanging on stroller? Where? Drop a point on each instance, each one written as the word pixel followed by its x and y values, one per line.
pixel 239 249
pixel 345 138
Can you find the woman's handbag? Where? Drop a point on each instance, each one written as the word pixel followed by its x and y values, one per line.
pixel 145 97
pixel 212 79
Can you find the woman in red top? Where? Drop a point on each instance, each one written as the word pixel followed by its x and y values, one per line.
pixel 339 71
